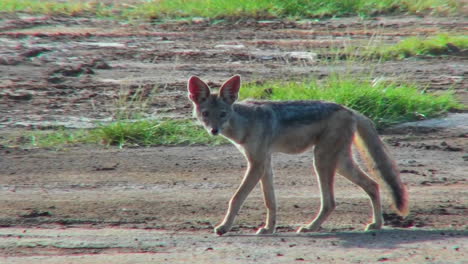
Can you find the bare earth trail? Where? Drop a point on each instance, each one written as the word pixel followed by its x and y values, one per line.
pixel 90 204
pixel 136 205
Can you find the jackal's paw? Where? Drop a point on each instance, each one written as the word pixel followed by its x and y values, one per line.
pixel 265 231
pixel 373 226
pixel 306 229
pixel 221 230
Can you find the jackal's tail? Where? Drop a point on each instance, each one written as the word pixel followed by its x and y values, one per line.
pixel 370 144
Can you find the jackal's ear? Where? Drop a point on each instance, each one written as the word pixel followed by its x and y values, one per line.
pixel 198 90
pixel 229 91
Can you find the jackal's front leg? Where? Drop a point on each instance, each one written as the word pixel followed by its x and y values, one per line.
pixel 270 202
pixel 251 178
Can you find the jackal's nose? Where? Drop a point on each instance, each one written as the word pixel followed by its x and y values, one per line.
pixel 214 131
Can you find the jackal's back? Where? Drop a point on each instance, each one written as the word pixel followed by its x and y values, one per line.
pixel 291 113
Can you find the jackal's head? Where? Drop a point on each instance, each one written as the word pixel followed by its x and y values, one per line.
pixel 211 109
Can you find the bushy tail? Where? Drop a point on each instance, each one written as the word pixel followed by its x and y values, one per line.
pixel 370 144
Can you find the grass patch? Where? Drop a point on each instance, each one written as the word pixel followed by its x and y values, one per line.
pixel 68 8
pixel 162 132
pixel 376 49
pixel 413 46
pixel 386 103
pixel 121 134
pixel 216 9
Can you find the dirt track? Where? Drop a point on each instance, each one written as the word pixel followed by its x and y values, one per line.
pixel 153 203
pixel 159 204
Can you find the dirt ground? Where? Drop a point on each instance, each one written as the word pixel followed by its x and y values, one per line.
pixel 92 204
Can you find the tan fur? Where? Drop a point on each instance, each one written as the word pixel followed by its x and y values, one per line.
pixel 259 129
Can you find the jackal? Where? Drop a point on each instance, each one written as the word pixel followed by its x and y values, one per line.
pixel 260 128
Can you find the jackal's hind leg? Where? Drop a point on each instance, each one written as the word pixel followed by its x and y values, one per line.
pixel 349 169
pixel 324 164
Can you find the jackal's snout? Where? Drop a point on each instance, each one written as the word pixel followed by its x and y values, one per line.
pixel 214 131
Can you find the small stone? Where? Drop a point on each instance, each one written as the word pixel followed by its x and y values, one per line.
pixel 301 55
pixel 34 52
pixel 230 47
pixel 20 96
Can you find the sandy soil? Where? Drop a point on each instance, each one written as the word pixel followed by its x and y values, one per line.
pixel 87 204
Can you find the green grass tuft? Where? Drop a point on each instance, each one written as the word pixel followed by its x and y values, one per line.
pixel 385 103
pixel 375 49
pixel 69 8
pixel 216 9
pixel 161 132
pixel 412 46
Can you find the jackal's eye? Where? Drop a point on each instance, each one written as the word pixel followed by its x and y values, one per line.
pixel 222 114
pixel 204 113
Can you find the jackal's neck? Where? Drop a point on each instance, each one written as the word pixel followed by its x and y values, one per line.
pixel 237 127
